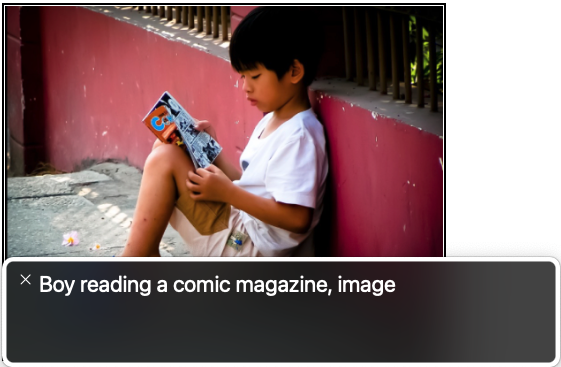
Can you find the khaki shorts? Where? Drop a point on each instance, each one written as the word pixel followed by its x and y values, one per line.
pixel 211 229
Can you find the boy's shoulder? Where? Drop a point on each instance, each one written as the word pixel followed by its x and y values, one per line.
pixel 306 123
pixel 302 124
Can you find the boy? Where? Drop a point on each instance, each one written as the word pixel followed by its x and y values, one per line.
pixel 273 205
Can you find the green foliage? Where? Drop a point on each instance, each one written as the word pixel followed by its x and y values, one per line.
pixel 413 56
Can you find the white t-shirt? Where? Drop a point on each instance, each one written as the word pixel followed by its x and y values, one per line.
pixel 289 165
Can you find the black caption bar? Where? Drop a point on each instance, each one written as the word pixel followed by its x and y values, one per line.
pixel 280 311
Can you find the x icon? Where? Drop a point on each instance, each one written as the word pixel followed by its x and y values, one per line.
pixel 25 279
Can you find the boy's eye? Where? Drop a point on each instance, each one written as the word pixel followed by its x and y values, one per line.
pixel 255 77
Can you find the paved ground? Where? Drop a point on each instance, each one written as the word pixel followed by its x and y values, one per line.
pixel 98 203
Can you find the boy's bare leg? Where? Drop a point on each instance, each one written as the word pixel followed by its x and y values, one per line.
pixel 163 181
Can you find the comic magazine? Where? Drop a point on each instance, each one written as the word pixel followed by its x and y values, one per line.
pixel 173 125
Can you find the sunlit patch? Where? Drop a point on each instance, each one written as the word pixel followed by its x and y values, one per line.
pixel 119 218
pixel 113 211
pixel 126 224
pixel 84 191
pixel 103 207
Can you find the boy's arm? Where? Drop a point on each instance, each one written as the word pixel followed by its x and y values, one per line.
pixel 228 168
pixel 212 184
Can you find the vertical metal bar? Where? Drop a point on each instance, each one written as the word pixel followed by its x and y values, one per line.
pixel 178 14
pixel 224 16
pixel 370 51
pixel 393 45
pixel 215 22
pixel 207 20
pixel 347 38
pixel 169 12
pixel 199 18
pixel 154 10
pixel 148 9
pixel 419 71
pixel 184 15
pixel 191 17
pixel 162 11
pixel 358 48
pixel 382 56
pixel 432 68
pixel 406 62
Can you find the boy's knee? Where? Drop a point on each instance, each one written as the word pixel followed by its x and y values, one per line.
pixel 157 143
pixel 164 156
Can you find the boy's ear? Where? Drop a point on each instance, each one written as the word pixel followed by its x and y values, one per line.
pixel 296 71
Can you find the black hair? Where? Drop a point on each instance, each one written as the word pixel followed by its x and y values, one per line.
pixel 274 36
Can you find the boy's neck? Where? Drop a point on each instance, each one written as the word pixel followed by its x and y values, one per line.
pixel 298 103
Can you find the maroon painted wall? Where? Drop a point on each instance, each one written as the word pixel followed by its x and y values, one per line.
pixel 102 75
pixel 385 193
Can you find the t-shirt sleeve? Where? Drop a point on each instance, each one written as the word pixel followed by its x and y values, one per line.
pixel 292 172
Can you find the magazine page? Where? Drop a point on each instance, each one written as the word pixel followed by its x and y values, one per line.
pixel 202 148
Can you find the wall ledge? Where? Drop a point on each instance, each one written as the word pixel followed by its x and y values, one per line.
pixel 168 29
pixel 381 104
pixel 360 96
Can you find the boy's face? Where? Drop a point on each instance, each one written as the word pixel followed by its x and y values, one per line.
pixel 264 90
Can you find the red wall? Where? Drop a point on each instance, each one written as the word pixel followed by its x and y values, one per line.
pixel 386 184
pixel 102 75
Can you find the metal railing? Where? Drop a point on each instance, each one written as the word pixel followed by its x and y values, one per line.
pixel 383 45
pixel 213 19
pixel 365 26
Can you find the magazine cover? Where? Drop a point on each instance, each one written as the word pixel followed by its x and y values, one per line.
pixel 173 125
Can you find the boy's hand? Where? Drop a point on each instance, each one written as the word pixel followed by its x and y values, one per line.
pixel 210 184
pixel 232 171
pixel 204 125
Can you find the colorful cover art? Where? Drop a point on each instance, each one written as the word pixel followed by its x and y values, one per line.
pixel 173 125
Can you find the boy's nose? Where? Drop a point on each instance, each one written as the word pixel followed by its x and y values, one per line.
pixel 246 87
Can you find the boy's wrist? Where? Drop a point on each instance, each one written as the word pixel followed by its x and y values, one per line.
pixel 226 166
pixel 219 159
pixel 230 193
